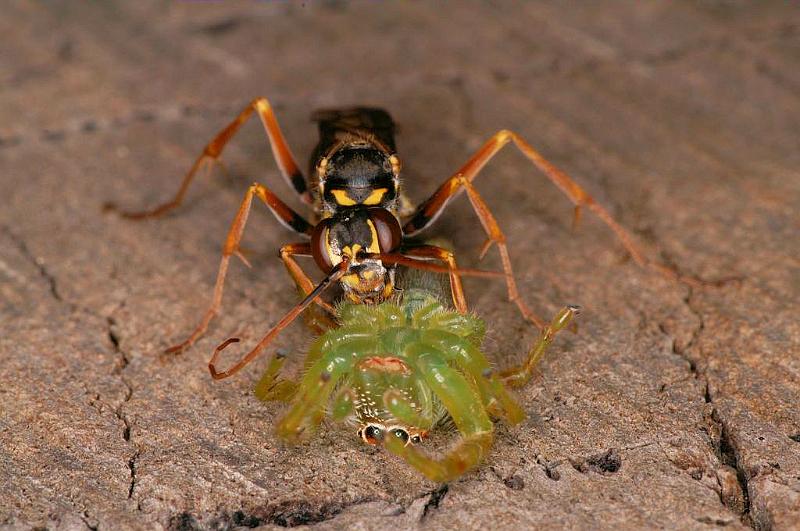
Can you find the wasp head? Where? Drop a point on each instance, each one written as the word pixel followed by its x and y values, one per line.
pixel 359 235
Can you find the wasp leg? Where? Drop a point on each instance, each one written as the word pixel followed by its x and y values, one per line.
pixel 464 405
pixel 285 321
pixel 213 150
pixel 319 321
pixel 449 259
pixel 521 375
pixel 281 211
pixel 428 211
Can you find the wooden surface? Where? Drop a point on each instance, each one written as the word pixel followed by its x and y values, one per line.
pixel 673 407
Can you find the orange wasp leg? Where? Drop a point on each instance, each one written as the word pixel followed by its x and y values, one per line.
pixel 287 319
pixel 428 211
pixel 212 152
pixel 496 236
pixel 318 321
pixel 284 214
pixel 449 259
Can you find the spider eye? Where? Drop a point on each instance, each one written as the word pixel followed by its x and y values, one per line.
pixel 400 434
pixel 371 434
pixel 416 439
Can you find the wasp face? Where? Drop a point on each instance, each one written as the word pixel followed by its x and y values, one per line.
pixel 359 234
pixel 368 282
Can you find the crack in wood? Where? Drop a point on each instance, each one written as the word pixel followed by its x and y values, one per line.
pixel 724 447
pixel 289 513
pixel 434 501
pixel 39 263
pixel 119 411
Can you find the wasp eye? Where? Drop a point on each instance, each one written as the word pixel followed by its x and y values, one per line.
pixel 372 434
pixel 400 434
pixel 387 228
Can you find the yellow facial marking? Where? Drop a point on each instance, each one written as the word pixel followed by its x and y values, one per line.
pixel 387 290
pixel 375 197
pixel 351 252
pixel 395 164
pixel 351 280
pixel 342 198
pixel 374 246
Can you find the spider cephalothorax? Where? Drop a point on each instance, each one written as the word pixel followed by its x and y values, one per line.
pixel 401 368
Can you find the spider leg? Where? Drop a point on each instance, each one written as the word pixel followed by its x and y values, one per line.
pixel 343 404
pixel 284 214
pixel 464 405
pixel 399 406
pixel 521 374
pixel 213 150
pixel 473 362
pixel 271 388
pixel 317 385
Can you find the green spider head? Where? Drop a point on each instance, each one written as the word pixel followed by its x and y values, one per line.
pixel 389 397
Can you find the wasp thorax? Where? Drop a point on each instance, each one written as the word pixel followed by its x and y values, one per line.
pixel 358 175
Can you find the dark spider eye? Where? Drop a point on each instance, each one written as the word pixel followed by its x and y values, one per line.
pixel 372 434
pixel 416 439
pixel 400 434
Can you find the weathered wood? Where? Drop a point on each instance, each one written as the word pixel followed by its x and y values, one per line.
pixel 671 408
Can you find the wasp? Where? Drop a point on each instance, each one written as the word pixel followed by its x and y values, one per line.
pixel 362 222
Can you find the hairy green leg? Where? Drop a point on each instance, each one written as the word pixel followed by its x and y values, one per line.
pixel 465 407
pixel 473 362
pixel 521 374
pixel 467 326
pixel 317 385
pixel 423 314
pixel 272 388
pixel 387 314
